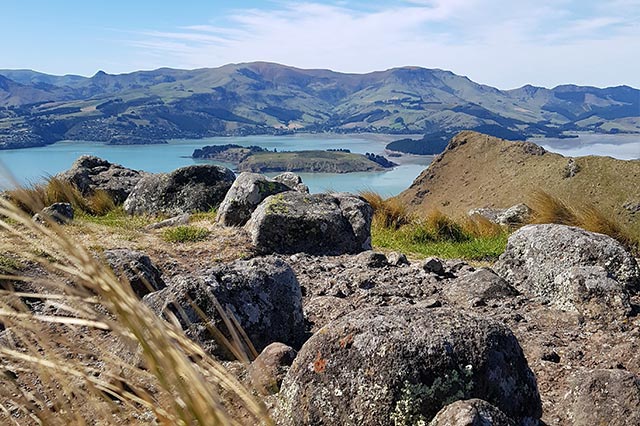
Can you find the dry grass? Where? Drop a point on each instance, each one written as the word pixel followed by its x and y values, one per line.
pixel 92 353
pixel 549 209
pixel 34 198
pixel 388 213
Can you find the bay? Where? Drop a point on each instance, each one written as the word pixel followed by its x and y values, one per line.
pixel 620 146
pixel 32 165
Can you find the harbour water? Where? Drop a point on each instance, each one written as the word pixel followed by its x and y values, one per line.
pixel 33 164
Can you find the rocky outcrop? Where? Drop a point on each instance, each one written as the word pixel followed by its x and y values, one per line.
pixel 135 269
pixel 57 212
pixel 573 269
pixel 514 215
pixel 262 295
pixel 89 174
pixel 472 412
pixel 478 288
pixel 401 365
pixel 292 180
pixel 185 190
pixel 247 191
pixel 610 397
pixel 293 222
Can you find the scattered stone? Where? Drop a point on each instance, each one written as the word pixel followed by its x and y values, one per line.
pixel 397 259
pixel 89 174
pixel 632 207
pixel 434 266
pixel 550 356
pixel 136 269
pixel 610 397
pixel 571 169
pixel 401 365
pixel 61 213
pixel 558 264
pixel 293 181
pixel 488 213
pixel 270 367
pixel 292 222
pixel 247 191
pixel 262 294
pixel 471 412
pixel 372 259
pixel 478 287
pixel 185 190
pixel 321 310
pixel 181 219
pixel 515 215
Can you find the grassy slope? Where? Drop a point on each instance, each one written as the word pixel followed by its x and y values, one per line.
pixel 481 171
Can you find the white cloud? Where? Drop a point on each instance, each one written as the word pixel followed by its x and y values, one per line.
pixel 498 42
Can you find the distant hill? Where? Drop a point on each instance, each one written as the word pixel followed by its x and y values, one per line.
pixel 478 170
pixel 266 98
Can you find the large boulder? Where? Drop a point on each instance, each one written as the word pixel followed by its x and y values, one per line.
pixel 472 412
pixel 569 267
pixel 600 397
pixel 248 190
pixel 401 365
pixel 293 222
pixel 185 190
pixel 136 269
pixel 89 174
pixel 262 294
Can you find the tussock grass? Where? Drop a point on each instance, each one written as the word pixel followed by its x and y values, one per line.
pixel 185 234
pixel 388 213
pixel 434 234
pixel 94 354
pixel 34 198
pixel 549 209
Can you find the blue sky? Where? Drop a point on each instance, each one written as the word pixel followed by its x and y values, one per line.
pixel 498 42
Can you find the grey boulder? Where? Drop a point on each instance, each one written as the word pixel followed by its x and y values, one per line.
pixel 401 365
pixel 261 294
pixel 292 180
pixel 247 191
pixel 89 174
pixel 57 212
pixel 293 222
pixel 569 267
pixel 185 190
pixel 471 412
pixel 136 269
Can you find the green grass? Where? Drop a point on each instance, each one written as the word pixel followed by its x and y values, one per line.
pixel 433 234
pixel 117 218
pixel 410 239
pixel 185 234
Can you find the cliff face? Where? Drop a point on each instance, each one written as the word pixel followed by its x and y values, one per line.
pixel 477 170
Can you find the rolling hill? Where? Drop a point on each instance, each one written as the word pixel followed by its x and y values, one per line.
pixel 267 98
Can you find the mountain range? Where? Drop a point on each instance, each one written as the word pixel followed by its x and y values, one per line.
pixel 266 98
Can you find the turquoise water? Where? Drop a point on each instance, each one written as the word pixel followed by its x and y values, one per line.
pixel 32 164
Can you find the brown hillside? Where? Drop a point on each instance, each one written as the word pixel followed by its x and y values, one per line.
pixel 477 170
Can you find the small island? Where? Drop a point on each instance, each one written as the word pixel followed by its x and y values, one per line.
pixel 260 160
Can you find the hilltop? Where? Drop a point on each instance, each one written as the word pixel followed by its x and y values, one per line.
pixel 477 170
pixel 266 98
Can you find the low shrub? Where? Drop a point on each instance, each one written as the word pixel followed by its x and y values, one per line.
pixel 388 213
